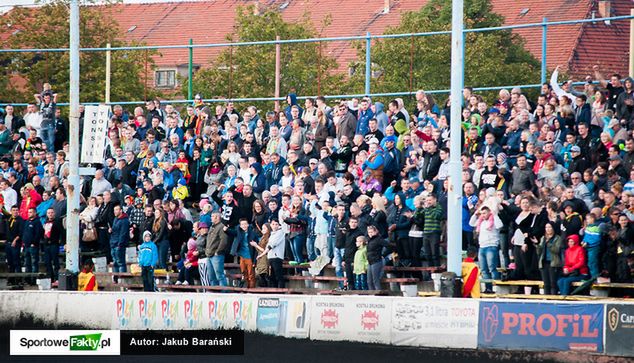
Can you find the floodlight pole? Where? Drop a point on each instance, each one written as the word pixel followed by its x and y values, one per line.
pixel 454 204
pixel 72 219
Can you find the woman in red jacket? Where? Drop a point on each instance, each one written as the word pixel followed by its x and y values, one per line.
pixel 30 199
pixel 575 265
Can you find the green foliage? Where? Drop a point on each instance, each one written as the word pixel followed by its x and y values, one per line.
pixel 249 71
pixel 48 27
pixel 492 58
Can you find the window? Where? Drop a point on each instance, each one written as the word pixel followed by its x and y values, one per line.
pixel 165 79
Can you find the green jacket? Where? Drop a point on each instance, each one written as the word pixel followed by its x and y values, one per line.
pixel 554 246
pixel 6 142
pixel 361 261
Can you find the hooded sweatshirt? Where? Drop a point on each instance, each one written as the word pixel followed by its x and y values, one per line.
pixel 258 181
pixel 287 110
pixel 575 257
pixel 381 117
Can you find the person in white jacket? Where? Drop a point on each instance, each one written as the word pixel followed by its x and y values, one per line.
pixel 488 227
pixel 275 253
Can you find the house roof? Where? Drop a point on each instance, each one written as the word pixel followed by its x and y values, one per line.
pixel 574 47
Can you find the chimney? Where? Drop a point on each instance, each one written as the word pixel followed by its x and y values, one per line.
pixel 605 9
pixel 386 6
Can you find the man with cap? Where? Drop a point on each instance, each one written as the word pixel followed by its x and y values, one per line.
pixel 579 163
pixel 147 259
pixel 620 131
pixel 616 164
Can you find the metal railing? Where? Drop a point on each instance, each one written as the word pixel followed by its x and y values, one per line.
pixel 545 24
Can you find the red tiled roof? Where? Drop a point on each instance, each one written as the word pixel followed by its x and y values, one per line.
pixel 575 47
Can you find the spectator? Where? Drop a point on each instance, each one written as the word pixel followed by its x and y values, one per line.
pixel 147 259
pixel 575 267
pixel 119 238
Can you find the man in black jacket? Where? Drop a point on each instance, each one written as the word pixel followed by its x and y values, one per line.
pixel 14 230
pixel 105 217
pixel 350 248
pixel 32 234
pixel 52 239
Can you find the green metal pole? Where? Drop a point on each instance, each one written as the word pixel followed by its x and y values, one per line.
pixel 190 71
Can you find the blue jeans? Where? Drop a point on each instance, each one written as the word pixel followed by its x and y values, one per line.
pixel 217 271
pixel 593 260
pixel 360 281
pixel 51 258
pixel 48 137
pixel 338 258
pixel 13 257
pixel 310 248
pixel 32 259
pixel 565 282
pixel 331 246
pixel 297 246
pixel 118 259
pixel 489 259
pixel 163 249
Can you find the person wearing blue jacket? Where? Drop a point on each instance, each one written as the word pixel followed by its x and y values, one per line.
pixel 147 259
pixel 365 114
pixel 119 239
pixel 258 179
pixel 241 247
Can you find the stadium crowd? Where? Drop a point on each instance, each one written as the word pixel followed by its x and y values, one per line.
pixel 548 186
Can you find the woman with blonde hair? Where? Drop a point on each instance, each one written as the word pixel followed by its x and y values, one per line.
pixel 379 214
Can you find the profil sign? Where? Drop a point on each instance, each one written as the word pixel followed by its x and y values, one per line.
pixel 538 326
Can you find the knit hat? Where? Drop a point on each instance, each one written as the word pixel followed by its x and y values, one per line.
pixel 182 181
pixel 502 157
pixel 138 200
pixel 202 225
pixel 191 244
pixel 391 138
pixel 147 233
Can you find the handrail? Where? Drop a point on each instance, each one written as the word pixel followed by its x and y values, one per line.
pixel 327 39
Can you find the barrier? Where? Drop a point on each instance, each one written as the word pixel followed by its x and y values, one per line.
pixel 541 326
pixel 434 322
pixel 619 330
pixel 430 322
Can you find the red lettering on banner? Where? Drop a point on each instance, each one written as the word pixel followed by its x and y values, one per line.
pixel 509 320
pixel 585 332
pixel 552 325
pixel 562 323
pixel 527 322
pixel 575 326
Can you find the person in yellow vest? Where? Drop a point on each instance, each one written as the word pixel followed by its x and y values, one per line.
pixel 470 275
pixel 86 281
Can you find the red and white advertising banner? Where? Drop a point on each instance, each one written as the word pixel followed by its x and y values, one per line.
pixel 351 318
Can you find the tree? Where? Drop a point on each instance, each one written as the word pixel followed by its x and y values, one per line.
pixel 491 58
pixel 48 27
pixel 249 71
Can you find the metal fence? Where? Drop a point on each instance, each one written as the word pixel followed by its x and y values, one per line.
pixel 544 25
